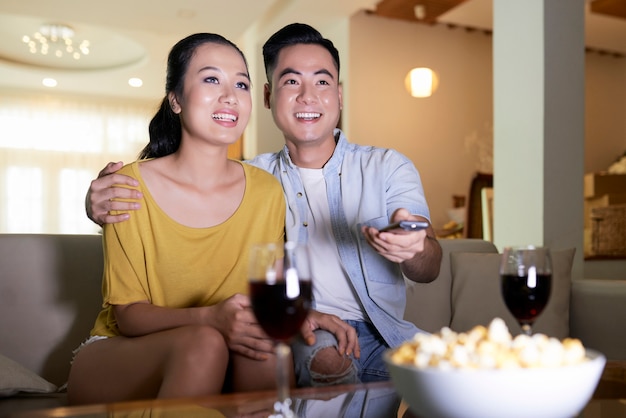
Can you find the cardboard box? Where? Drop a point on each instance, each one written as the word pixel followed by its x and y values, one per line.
pixel 599 184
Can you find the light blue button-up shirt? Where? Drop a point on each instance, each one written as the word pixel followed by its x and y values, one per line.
pixel 364 185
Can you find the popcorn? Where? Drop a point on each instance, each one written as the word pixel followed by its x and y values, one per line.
pixel 491 347
pixel 498 332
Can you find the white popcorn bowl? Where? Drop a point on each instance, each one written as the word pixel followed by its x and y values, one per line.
pixel 537 392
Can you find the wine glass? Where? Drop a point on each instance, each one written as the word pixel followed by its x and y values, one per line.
pixel 280 294
pixel 526 281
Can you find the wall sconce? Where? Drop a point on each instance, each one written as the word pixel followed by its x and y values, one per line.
pixel 421 82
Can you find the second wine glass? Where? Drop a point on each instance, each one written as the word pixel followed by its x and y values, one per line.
pixel 280 294
pixel 526 282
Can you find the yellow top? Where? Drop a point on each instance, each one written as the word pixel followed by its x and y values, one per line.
pixel 152 257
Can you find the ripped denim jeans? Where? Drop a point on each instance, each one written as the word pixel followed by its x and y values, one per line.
pixel 368 368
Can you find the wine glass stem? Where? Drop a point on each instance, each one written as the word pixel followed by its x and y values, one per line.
pixel 526 329
pixel 283 355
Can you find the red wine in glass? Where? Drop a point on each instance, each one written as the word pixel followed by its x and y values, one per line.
pixel 524 301
pixel 526 283
pixel 280 295
pixel 280 315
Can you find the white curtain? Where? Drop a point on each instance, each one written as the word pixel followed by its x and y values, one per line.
pixel 50 150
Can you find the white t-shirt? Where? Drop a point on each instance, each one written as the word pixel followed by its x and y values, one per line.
pixel 332 291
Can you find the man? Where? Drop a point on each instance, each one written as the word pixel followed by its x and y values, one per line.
pixel 339 196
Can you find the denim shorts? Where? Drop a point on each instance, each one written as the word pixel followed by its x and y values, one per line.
pixel 89 340
pixel 370 367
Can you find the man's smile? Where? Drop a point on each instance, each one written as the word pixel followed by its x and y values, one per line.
pixel 308 115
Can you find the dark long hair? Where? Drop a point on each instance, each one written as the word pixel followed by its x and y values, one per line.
pixel 165 128
pixel 293 34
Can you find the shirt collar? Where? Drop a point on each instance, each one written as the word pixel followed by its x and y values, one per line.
pixel 341 143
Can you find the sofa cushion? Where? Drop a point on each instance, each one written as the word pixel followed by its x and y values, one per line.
pixel 15 378
pixel 428 304
pixel 50 295
pixel 598 315
pixel 476 297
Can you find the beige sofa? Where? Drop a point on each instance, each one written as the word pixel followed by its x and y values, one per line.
pixel 50 295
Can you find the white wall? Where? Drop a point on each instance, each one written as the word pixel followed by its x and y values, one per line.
pixel 432 131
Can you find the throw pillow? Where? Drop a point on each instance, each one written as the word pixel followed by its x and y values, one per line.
pixel 476 296
pixel 15 378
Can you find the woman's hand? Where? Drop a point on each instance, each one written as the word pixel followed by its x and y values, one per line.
pixel 233 318
pixel 236 321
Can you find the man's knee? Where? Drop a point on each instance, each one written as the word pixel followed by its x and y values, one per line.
pixel 329 361
pixel 329 367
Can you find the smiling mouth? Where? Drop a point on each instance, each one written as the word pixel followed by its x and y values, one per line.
pixel 224 116
pixel 308 115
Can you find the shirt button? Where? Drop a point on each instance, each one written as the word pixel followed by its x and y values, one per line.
pixel 299 194
pixel 305 224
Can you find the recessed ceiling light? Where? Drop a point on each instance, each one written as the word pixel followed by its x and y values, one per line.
pixel 49 82
pixel 135 82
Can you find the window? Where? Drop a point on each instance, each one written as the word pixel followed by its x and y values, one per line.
pixel 51 149
pixel 72 185
pixel 25 207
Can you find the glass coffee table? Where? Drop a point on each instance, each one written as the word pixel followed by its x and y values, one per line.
pixel 371 400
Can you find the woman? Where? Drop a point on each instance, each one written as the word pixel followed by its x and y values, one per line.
pixel 175 321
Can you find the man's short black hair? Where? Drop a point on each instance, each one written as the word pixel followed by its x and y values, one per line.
pixel 293 34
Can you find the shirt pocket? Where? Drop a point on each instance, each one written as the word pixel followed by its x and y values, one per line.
pixel 376 268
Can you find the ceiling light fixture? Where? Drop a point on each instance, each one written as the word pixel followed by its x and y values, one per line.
pixel 58 40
